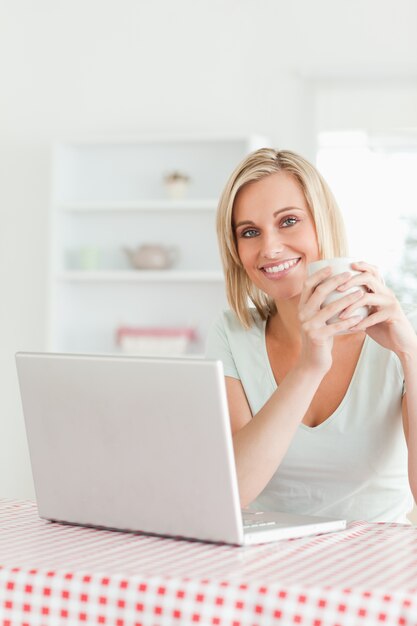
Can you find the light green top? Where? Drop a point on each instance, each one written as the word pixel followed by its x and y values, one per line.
pixel 354 464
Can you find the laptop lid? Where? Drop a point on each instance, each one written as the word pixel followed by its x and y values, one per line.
pixel 131 443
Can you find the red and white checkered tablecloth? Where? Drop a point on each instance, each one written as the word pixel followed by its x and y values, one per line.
pixel 57 575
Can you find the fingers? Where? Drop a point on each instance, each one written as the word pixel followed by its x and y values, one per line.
pixel 317 289
pixel 371 300
pixel 371 320
pixel 382 307
pixel 366 267
pixel 320 320
pixel 338 307
pixel 322 332
pixel 368 277
pixel 369 282
pixel 312 282
pixel 320 284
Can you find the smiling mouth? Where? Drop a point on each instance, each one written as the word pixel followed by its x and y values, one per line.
pixel 281 267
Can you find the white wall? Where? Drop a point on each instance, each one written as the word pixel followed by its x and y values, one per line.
pixel 121 66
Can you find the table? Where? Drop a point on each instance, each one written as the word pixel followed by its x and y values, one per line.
pixel 55 574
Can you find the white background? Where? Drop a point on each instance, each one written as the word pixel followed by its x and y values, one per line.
pixel 154 66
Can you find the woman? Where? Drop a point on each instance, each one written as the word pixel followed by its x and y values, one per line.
pixel 320 420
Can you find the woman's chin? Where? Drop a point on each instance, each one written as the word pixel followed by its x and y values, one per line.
pixel 283 294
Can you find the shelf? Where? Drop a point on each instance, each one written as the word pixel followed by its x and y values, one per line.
pixel 254 139
pixel 109 193
pixel 141 276
pixel 140 205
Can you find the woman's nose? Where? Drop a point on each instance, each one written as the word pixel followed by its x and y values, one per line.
pixel 272 246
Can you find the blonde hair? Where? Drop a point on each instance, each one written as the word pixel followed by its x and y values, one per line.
pixel 326 215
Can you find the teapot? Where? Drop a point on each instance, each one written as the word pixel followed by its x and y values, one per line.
pixel 152 256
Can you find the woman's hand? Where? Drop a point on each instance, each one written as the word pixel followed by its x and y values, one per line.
pixel 387 323
pixel 317 335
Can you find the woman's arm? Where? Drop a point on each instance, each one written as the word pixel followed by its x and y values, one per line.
pixel 409 364
pixel 388 325
pixel 261 441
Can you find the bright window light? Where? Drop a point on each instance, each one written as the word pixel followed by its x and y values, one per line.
pixel 374 181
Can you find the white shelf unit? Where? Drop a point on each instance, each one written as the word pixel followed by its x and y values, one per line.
pixel 108 194
pixel 158 276
pixel 143 205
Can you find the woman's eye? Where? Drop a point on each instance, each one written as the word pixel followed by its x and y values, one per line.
pixel 250 232
pixel 289 221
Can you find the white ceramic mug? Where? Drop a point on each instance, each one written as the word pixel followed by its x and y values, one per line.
pixel 339 265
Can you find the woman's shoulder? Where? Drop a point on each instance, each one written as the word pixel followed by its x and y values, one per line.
pixel 229 322
pixel 236 346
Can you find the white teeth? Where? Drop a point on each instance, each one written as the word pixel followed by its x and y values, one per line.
pixel 281 267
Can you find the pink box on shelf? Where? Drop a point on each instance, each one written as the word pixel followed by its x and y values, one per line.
pixel 154 341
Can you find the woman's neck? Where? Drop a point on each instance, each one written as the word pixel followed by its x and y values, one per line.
pixel 284 325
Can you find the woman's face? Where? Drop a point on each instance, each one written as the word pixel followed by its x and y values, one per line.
pixel 275 234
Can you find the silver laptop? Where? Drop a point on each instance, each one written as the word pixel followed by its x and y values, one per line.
pixel 141 444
